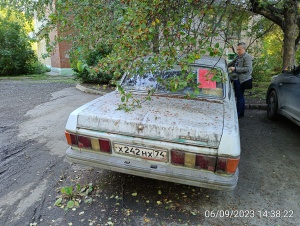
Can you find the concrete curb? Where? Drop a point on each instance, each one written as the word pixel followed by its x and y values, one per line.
pixel 93 91
pixel 88 90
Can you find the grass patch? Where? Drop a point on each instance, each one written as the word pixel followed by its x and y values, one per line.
pixel 41 77
pixel 258 90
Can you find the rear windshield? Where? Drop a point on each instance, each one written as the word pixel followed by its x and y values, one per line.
pixel 202 81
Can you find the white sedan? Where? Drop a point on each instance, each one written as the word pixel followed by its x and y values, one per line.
pixel 193 141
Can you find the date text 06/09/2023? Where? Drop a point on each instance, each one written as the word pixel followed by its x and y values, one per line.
pixel 249 213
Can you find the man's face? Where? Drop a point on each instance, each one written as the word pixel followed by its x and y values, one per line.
pixel 240 50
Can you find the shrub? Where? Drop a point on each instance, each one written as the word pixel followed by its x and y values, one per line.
pixel 38 68
pixel 16 54
pixel 85 65
pixel 264 69
pixel 267 61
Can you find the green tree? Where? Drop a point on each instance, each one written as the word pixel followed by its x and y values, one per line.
pixel 136 27
pixel 16 54
pixel 268 56
pixel 285 14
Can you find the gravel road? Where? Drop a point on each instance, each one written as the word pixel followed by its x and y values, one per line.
pixel 33 169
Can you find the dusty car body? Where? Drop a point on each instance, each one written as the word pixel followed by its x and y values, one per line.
pixel 190 141
pixel 282 96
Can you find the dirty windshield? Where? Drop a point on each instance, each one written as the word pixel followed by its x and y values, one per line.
pixel 201 82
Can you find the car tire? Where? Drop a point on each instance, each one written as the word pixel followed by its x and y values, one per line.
pixel 272 105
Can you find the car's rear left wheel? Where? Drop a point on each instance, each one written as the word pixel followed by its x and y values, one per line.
pixel 272 105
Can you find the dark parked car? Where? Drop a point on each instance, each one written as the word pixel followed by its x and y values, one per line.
pixel 282 96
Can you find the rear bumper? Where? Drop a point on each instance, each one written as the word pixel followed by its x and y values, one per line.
pixel 154 170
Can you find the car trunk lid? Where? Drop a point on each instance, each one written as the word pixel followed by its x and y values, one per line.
pixel 195 122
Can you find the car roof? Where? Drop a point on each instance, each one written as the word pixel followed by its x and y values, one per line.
pixel 212 61
pixel 205 60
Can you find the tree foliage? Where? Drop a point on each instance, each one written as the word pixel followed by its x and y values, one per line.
pixel 85 66
pixel 285 14
pixel 136 29
pixel 16 54
pixel 268 60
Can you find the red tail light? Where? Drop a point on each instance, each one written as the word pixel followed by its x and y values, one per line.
pixel 177 157
pixel 221 166
pixel 193 160
pixel 105 145
pixel 205 162
pixel 227 165
pixel 84 142
pixel 95 144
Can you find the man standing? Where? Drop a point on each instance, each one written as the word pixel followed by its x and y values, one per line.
pixel 242 67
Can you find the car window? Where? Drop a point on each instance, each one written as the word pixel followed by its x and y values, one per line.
pixel 201 82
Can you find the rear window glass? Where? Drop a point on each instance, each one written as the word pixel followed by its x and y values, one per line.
pixel 198 81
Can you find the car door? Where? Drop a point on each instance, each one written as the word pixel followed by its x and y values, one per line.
pixel 290 91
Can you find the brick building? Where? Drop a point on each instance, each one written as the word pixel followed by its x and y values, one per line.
pixel 58 61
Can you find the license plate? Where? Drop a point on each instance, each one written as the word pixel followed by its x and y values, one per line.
pixel 146 153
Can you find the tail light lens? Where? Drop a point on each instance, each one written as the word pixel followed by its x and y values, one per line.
pixel 227 165
pixel 105 145
pixel 95 144
pixel 193 160
pixel 71 138
pixel 84 142
pixel 205 162
pixel 177 157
